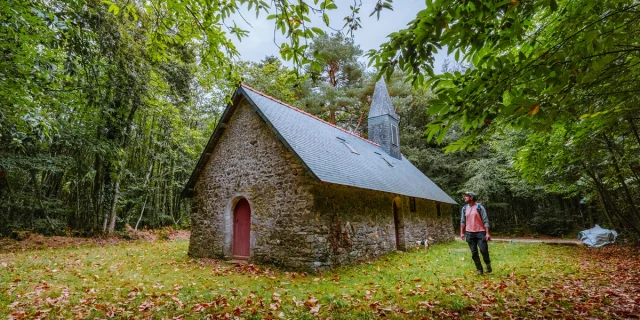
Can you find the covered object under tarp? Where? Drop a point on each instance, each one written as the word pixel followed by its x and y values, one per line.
pixel 597 237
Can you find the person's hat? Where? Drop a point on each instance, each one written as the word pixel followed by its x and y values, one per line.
pixel 472 195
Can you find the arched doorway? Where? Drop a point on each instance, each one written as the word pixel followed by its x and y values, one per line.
pixel 396 224
pixel 241 229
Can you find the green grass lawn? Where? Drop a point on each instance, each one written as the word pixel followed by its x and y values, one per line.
pixel 143 280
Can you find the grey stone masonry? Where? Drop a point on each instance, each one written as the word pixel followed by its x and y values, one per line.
pixel 380 131
pixel 357 224
pixel 248 162
pixel 383 121
pixel 425 223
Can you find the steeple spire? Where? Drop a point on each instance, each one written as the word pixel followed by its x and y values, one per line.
pixel 381 102
pixel 383 121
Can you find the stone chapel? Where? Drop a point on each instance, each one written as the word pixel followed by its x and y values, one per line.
pixel 280 186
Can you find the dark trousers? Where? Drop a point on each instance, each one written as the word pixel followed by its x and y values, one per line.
pixel 476 240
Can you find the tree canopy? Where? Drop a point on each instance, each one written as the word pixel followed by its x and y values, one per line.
pixel 534 62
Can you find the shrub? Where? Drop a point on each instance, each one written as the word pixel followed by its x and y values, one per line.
pixel 20 235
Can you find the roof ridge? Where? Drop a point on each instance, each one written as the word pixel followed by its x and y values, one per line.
pixel 306 113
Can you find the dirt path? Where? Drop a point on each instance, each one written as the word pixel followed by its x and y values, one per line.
pixel 575 242
pixel 556 241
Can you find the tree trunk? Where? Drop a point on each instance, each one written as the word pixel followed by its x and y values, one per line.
pixel 333 69
pixel 620 176
pixel 114 206
pixel 146 194
pixel 634 130
pixel 589 215
pixel 171 181
pixel 98 188
pixel 359 122
pixel 601 196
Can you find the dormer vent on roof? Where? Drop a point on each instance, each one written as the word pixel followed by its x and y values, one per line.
pixel 348 145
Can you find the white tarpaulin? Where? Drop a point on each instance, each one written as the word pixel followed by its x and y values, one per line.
pixel 597 237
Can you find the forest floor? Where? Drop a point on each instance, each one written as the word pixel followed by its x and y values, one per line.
pixel 38 241
pixel 156 279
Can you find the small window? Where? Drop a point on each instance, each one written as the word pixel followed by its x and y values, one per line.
pixel 412 204
pixel 438 209
pixel 394 135
pixel 348 145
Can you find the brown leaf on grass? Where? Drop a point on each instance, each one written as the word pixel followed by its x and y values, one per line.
pixel 199 307
pixel 315 309
pixel 41 287
pixel 107 308
pixel 21 314
pixel 177 301
pixel 51 301
pixel 146 305
pixel 39 314
pixel 311 301
pixel 296 302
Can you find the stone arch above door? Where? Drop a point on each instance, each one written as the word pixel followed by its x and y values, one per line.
pixel 229 215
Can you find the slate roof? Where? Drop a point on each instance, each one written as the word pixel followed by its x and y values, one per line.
pixel 324 150
pixel 381 102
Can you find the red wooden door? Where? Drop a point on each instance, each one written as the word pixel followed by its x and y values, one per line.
pixel 241 229
pixel 396 223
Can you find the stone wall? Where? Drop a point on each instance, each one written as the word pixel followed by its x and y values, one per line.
pixel 249 162
pixel 357 224
pixel 380 132
pixel 425 222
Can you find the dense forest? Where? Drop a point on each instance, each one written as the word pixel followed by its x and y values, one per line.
pixel 106 106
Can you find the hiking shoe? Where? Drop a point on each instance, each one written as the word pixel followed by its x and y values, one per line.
pixel 489 268
pixel 479 272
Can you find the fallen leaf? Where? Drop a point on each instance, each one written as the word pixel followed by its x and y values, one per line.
pixel 315 309
pixel 534 109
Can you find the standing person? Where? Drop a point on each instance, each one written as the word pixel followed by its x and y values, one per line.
pixel 474 228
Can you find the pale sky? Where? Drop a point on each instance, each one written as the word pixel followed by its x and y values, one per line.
pixel 260 41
